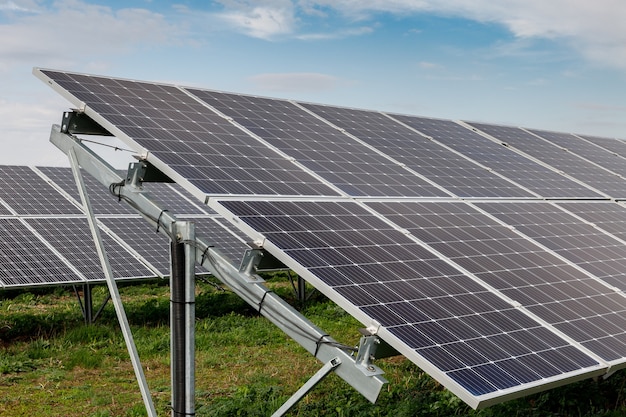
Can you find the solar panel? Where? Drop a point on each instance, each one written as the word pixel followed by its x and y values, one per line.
pixel 29 194
pixel 3 209
pixel 26 261
pixel 436 315
pixel 102 202
pixel 199 146
pixel 490 311
pixel 610 217
pixel 559 158
pixel 585 149
pixel 616 146
pixel 512 165
pixel 576 304
pixel 170 197
pixel 448 169
pixel 580 242
pixel 72 238
pixel 221 236
pixel 346 163
pixel 151 246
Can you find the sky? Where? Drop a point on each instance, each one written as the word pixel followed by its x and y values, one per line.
pixel 556 65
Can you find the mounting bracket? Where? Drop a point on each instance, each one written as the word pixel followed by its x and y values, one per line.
pixel 254 292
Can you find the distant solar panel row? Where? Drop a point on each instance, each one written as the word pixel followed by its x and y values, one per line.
pixel 437 234
pixel 46 238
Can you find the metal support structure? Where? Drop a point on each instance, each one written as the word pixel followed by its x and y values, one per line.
pixel 243 282
pixel 182 320
pixel 310 384
pixel 113 291
pixel 86 303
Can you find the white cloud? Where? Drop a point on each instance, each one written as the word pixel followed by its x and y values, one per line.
pixel 595 28
pixel 21 6
pixel 73 32
pixel 260 19
pixel 295 82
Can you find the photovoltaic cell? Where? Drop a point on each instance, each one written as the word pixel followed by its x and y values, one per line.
pixel 571 164
pixel 199 145
pixel 151 246
pixel 102 201
pixel 578 305
pixel 609 216
pixel 576 240
pixel 492 305
pixel 614 145
pixel 585 149
pixel 470 335
pixel 353 167
pixel 512 165
pixel 28 194
pixel 26 261
pixel 169 197
pixel 72 238
pixel 450 170
pixel 3 209
pixel 219 235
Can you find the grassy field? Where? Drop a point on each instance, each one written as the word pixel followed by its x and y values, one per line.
pixel 51 364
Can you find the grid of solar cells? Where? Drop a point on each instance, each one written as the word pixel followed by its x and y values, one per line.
pixel 444 317
pixel 153 247
pixel 608 216
pixel 614 145
pixel 3 209
pixel 574 239
pixel 202 147
pixel 514 166
pixel 450 170
pixel 585 149
pixel 26 261
pixel 167 197
pixel 29 194
pixel 150 245
pixel 568 162
pixel 580 306
pixel 73 240
pixel 101 200
pixel 353 167
pixel 215 232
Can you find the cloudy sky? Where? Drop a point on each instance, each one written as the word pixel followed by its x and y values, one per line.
pixel 558 64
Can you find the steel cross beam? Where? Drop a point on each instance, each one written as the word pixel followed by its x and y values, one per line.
pixel 243 282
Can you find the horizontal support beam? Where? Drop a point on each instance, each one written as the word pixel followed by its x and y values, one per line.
pixel 244 283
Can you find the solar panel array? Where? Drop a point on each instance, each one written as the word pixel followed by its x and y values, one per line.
pixel 491 256
pixel 45 238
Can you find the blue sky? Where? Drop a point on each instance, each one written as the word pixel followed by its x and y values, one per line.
pixel 557 65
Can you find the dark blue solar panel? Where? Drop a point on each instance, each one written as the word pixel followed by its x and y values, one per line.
pixel 446 168
pixel 26 262
pixel 202 147
pixel 102 201
pixel 512 165
pixel 573 302
pixel 29 194
pixel 571 164
pixel 346 163
pixel 577 240
pixel 586 149
pixel 380 274
pixel 72 238
pixel 616 146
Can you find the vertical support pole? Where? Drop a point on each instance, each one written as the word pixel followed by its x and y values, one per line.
pixel 87 304
pixel 113 291
pixel 182 320
pixel 301 290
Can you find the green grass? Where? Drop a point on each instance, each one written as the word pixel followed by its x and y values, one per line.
pixel 52 364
